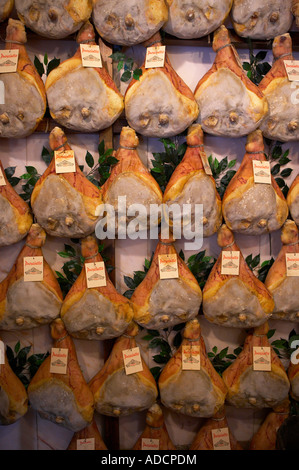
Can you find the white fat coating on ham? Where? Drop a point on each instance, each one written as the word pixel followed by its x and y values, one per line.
pixel 220 95
pixel 286 303
pixel 53 399
pixel 282 122
pixel 5 414
pixel 172 298
pixel 266 388
pixel 254 18
pixel 234 306
pixel 294 210
pixel 190 19
pixel 56 201
pixel 36 17
pixel 123 393
pixel 32 302
pixel 190 388
pixel 9 231
pixel 199 189
pixel 136 191
pixel 243 214
pixel 156 100
pixel 81 93
pixel 23 107
pixel 94 311
pixel 109 19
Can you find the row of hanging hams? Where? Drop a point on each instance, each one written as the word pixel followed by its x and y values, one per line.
pixel 237 300
pixel 131 22
pixel 69 401
pixel 159 104
pixel 68 205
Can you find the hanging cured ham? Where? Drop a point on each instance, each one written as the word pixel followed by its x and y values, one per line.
pixel 261 19
pixel 230 104
pixel 24 91
pixel 238 300
pixel 190 184
pixel 55 20
pixel 282 122
pixel 130 179
pixel 249 207
pixel 83 98
pixel 165 301
pixel 65 204
pixel 210 429
pixel 128 22
pixel 198 393
pixel 63 398
pixel 96 312
pixel 293 375
pixel 196 18
pixel 159 104
pixel 266 436
pixel 250 388
pixel 6 7
pixel 88 438
pixel 16 218
pixel 26 303
pixel 117 393
pixel 13 395
pixel 155 435
pixel 280 281
pixel 293 200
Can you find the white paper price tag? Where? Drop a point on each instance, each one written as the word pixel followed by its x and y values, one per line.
pixel 59 361
pixel 9 60
pixel 2 179
pixel 91 55
pixel 86 444
pixel 65 161
pixel 132 361
pixel 230 262
pixel 33 269
pixel 155 57
pixel 262 358
pixel 292 264
pixel 292 69
pixel 150 444
pixel 168 266
pixel 95 274
pixel 261 172
pixel 191 357
pixel 2 353
pixel 221 439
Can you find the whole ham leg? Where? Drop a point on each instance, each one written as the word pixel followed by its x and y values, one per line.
pixel 16 218
pixel 83 98
pixel 97 313
pixel 65 204
pixel 155 428
pixel 64 399
pixel 249 388
pixel 13 395
pixel 25 95
pixel 278 282
pixel 190 184
pixel 229 300
pixel 6 7
pixel 29 304
pixel 295 10
pixel 241 211
pixel 230 104
pixel 198 393
pixel 117 393
pixel 266 435
pixel 282 122
pixel 204 438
